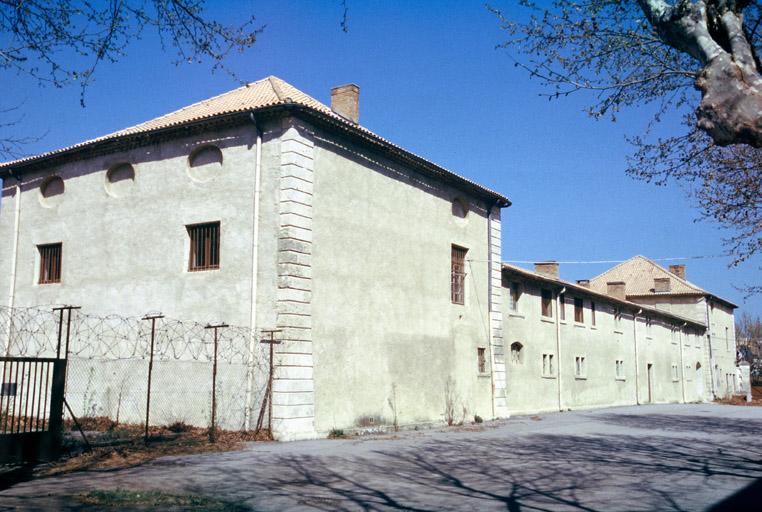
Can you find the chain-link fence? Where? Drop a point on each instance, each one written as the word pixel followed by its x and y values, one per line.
pixel 197 374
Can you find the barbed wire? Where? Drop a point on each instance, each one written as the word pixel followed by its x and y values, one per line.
pixel 33 331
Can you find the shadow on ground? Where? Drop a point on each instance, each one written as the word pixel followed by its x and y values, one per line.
pixel 714 464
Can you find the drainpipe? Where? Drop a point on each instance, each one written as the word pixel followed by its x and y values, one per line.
pixel 490 335
pixel 254 272
pixel 709 336
pixel 14 263
pixel 558 344
pixel 682 363
pixel 637 362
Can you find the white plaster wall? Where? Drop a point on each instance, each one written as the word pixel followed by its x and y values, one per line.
pixel 385 331
pixel 128 255
pixel 602 345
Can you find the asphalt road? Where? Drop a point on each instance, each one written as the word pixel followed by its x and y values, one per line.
pixel 660 457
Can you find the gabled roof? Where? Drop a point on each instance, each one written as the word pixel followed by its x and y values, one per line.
pixel 602 296
pixel 638 274
pixel 263 95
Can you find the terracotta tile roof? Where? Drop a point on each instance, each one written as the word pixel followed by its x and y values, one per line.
pixel 268 92
pixel 584 290
pixel 638 274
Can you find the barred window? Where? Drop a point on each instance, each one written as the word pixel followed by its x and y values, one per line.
pixel 579 315
pixel 514 297
pixel 50 263
pixel 204 246
pixel 481 359
pixel 458 275
pixel 620 369
pixel 547 303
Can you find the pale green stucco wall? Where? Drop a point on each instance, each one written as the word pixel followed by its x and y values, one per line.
pixel 382 315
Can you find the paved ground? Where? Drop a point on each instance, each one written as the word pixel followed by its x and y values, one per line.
pixel 668 457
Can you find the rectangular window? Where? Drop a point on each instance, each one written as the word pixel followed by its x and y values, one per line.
pixel 458 275
pixel 688 372
pixel 617 319
pixel 592 313
pixel 514 296
pixel 562 306
pixel 548 369
pixel 547 303
pixel 481 360
pixel 649 325
pixel 204 246
pixel 50 263
pixel 675 377
pixel 579 367
pixel 620 369
pixel 673 335
pixel 579 314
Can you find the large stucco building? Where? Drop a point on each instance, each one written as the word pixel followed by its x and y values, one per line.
pixel 266 208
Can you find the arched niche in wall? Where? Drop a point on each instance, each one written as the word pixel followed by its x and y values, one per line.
pixel 205 163
pixel 517 353
pixel 120 179
pixel 51 191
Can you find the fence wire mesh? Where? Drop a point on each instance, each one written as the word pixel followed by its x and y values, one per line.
pixel 109 359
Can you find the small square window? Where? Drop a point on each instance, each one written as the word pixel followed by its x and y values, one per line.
pixel 204 246
pixel 547 303
pixel 481 359
pixel 50 263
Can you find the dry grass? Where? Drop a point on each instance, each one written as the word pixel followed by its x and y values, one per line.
pixel 756 398
pixel 156 500
pixel 134 451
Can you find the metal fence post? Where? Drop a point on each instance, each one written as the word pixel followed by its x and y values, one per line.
pixel 267 400
pixel 213 429
pixel 152 317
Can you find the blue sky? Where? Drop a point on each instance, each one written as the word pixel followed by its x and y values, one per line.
pixel 431 81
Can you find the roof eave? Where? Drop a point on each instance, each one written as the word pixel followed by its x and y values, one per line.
pixel 587 291
pixel 99 146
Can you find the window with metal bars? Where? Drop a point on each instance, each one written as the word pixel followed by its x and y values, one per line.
pixel 50 263
pixel 481 359
pixel 204 246
pixel 458 275
pixel 547 303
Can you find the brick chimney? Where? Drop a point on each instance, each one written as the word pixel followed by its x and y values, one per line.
pixel 678 270
pixel 616 289
pixel 661 284
pixel 584 283
pixel 345 101
pixel 547 269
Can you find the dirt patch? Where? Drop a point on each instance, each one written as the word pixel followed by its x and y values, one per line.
pixel 155 500
pixel 121 448
pixel 756 400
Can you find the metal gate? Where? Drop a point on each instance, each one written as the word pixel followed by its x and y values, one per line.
pixel 31 408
